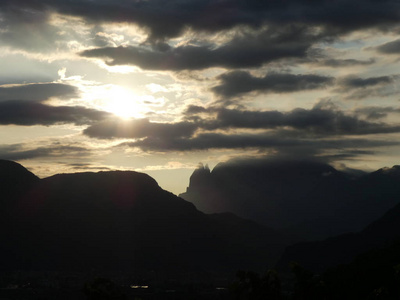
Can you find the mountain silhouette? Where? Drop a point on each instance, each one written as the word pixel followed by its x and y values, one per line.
pixel 121 220
pixel 321 255
pixel 15 180
pixel 308 198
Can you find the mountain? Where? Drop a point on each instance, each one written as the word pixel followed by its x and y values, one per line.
pixel 14 180
pixel 308 198
pixel 122 221
pixel 321 255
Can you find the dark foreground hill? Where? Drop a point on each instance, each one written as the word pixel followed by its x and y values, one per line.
pixel 309 198
pixel 119 221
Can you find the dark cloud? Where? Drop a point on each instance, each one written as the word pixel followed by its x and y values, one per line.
pixel 348 154
pixel 37 92
pixel 390 48
pixel 248 50
pixel 195 109
pixel 86 167
pixel 25 25
pixel 208 141
pixel 28 25
pixel 239 82
pixel 269 141
pixel 376 112
pixel 266 31
pixel 138 128
pixel 316 121
pixel 28 113
pixel 359 88
pixel 356 82
pixel 23 151
pixel 324 131
pixel 165 19
pixel 339 63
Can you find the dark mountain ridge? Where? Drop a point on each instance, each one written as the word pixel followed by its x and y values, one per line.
pixel 14 180
pixel 123 221
pixel 308 198
pixel 320 255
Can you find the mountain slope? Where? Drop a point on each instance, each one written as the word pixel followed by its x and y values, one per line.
pixel 14 180
pixel 124 221
pixel 308 198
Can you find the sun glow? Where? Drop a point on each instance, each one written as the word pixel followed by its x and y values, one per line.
pixel 123 103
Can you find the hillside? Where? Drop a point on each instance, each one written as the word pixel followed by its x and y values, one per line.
pixel 123 221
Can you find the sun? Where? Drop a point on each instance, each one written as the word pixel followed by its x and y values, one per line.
pixel 123 102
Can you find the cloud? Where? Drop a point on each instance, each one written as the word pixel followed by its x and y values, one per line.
pixel 37 92
pixel 195 109
pixel 25 25
pixel 208 141
pixel 28 113
pixel 339 63
pixel 390 47
pixel 320 120
pixel 274 142
pixel 138 128
pixel 239 82
pixel 247 50
pixel 376 112
pixel 30 25
pixel 24 151
pixel 215 123
pixel 166 19
pixel 359 88
pixel 284 38
pixel 37 28
pixel 356 82
pixel 347 155
pixel 87 166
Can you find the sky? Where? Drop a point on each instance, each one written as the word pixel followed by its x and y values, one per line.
pixel 158 86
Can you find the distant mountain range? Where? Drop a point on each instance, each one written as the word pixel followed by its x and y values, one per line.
pixel 120 221
pixel 310 199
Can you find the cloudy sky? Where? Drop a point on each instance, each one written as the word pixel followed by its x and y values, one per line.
pixel 159 86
